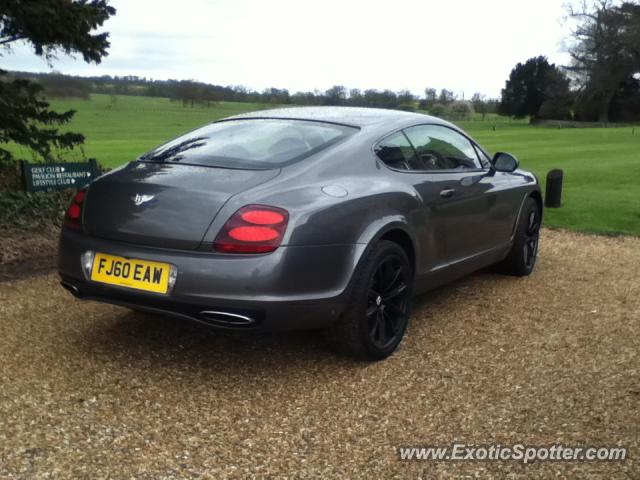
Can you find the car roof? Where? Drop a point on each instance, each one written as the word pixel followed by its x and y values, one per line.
pixel 352 116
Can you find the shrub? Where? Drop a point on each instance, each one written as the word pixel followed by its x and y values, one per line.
pixel 407 107
pixel 460 110
pixel 32 210
pixel 456 110
pixel 439 110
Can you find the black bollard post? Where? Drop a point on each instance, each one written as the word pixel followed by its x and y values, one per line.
pixel 553 195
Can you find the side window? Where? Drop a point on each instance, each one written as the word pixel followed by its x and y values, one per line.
pixel 484 158
pixel 396 152
pixel 442 148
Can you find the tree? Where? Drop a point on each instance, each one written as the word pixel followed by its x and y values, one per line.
pixel 276 96
pixel 405 97
pixel 63 86
pixel 558 98
pixel 446 97
pixel 529 85
pixel 49 27
pixel 336 95
pixel 305 98
pixel 430 95
pixel 356 98
pixel 605 51
pixel 626 102
pixel 211 95
pixel 479 104
pixel 429 100
pixel 188 92
pixel 384 99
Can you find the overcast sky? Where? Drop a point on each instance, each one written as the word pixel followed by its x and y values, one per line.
pixel 464 45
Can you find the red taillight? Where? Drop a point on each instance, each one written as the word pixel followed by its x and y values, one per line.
pixel 74 212
pixel 263 217
pixel 253 234
pixel 253 229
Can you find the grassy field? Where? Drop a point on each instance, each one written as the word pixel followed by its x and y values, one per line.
pixel 117 133
pixel 602 165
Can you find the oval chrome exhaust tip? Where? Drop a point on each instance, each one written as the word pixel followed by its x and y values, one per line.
pixel 226 319
pixel 71 288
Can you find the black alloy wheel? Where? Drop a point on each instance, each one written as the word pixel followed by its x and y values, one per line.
pixel 376 317
pixel 387 306
pixel 532 238
pixel 523 254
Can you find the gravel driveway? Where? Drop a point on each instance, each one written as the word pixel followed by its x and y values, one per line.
pixel 94 391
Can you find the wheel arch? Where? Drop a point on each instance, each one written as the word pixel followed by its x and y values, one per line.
pixel 402 238
pixel 537 196
pixel 395 230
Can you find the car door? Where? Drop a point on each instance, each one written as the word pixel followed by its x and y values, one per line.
pixel 464 200
pixel 397 153
pixel 504 198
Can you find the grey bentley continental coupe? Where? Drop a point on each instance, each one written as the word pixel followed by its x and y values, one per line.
pixel 327 218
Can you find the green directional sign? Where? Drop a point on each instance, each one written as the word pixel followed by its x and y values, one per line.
pixel 42 177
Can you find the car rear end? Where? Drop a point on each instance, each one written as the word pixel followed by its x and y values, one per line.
pixel 158 234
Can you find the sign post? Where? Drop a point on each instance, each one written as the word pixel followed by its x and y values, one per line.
pixel 43 177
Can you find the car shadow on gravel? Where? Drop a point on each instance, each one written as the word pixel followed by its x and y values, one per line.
pixel 133 337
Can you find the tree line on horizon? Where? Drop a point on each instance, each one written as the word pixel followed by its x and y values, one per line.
pixel 443 103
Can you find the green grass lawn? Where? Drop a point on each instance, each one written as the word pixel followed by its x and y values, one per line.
pixel 602 165
pixel 601 170
pixel 116 134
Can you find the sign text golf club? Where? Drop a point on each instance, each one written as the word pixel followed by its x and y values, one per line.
pixel 40 177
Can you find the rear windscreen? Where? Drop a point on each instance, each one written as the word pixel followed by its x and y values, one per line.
pixel 250 143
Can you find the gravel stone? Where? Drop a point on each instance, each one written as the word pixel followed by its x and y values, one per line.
pixel 95 391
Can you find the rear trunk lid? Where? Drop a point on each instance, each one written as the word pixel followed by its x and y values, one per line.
pixel 163 205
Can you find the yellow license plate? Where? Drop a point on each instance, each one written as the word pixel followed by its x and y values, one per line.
pixel 131 273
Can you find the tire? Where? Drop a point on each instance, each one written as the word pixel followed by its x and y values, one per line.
pixel 521 259
pixel 376 317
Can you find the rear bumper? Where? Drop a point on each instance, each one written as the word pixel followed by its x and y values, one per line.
pixel 291 288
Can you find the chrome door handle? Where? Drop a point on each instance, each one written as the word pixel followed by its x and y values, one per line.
pixel 447 192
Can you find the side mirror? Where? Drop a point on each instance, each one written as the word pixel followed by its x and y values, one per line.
pixel 504 162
